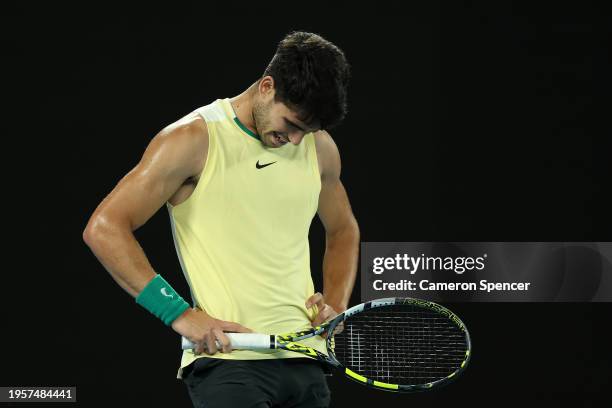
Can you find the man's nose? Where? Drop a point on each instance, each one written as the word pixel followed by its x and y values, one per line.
pixel 296 137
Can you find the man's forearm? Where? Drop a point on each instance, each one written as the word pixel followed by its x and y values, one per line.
pixel 340 266
pixel 120 253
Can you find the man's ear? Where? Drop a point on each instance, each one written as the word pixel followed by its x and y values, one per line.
pixel 266 86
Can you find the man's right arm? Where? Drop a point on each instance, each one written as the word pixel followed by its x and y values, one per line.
pixel 174 155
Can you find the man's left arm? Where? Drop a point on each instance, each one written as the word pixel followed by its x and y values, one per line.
pixel 341 235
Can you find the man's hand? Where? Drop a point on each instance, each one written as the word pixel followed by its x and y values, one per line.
pixel 203 330
pixel 325 312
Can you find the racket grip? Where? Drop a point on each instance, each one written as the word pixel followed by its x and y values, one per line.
pixel 240 341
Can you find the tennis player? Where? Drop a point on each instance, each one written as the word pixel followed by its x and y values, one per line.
pixel 242 179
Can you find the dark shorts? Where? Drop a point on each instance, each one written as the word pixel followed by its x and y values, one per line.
pixel 291 382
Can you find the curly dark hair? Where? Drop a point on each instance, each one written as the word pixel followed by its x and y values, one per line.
pixel 311 76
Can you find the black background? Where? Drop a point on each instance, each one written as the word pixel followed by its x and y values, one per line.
pixel 468 122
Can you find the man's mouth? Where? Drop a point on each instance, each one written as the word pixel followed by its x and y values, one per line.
pixel 278 141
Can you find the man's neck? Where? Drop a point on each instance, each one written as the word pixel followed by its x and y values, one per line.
pixel 243 107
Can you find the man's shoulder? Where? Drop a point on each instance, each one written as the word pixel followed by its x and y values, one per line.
pixel 193 123
pixel 187 141
pixel 324 142
pixel 327 151
pixel 190 130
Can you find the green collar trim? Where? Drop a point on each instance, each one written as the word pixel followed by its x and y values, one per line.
pixel 245 129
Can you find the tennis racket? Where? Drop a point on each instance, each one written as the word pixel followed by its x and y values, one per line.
pixel 392 344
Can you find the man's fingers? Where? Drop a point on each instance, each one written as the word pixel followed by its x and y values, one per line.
pixel 325 313
pixel 316 299
pixel 211 344
pixel 223 340
pixel 233 327
pixel 199 349
pixel 337 330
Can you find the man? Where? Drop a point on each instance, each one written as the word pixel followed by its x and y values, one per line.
pixel 242 179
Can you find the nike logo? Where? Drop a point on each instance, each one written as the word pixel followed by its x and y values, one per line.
pixel 261 166
pixel 166 294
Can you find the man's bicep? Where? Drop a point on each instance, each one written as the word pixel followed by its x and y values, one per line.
pixel 334 208
pixel 171 157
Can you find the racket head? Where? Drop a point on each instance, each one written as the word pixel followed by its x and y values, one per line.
pixel 400 344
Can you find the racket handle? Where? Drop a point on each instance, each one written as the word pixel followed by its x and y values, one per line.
pixel 240 341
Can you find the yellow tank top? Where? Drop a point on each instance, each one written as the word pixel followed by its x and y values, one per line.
pixel 242 235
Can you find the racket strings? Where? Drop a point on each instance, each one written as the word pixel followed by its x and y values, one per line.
pixel 401 344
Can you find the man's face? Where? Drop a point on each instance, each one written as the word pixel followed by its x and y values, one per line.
pixel 276 124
